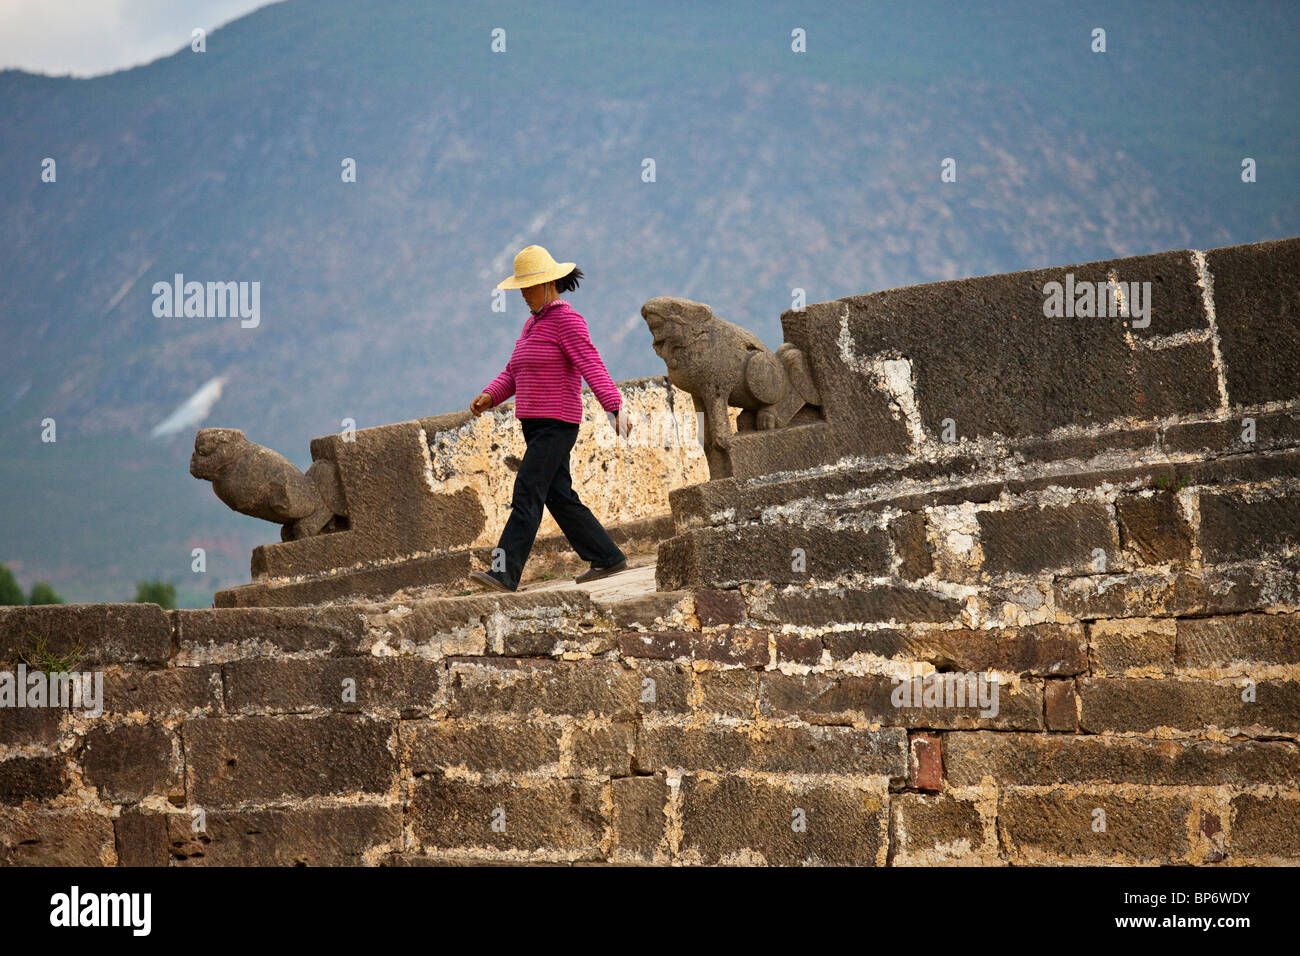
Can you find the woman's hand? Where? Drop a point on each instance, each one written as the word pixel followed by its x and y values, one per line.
pixel 621 423
pixel 480 404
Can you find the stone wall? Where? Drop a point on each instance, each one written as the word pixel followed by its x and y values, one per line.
pixel 674 729
pixel 1070 634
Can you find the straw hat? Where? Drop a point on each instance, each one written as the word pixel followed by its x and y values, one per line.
pixel 534 266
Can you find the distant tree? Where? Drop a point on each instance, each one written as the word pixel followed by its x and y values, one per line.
pixel 156 592
pixel 10 592
pixel 42 593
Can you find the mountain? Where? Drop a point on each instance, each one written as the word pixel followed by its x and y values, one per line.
pixel 774 170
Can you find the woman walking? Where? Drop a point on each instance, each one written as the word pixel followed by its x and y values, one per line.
pixel 551 357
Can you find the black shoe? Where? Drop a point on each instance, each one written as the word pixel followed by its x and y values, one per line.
pixel 596 573
pixel 491 580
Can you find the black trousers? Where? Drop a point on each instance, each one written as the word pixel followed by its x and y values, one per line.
pixel 543 479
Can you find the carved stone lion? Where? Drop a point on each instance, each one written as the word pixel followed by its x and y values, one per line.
pixel 254 480
pixel 721 364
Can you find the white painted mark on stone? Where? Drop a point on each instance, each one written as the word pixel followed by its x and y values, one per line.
pixel 1206 281
pixel 428 462
pixel 893 376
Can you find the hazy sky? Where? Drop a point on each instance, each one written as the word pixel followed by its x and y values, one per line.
pixel 89 37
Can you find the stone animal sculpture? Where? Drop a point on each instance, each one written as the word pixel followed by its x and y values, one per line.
pixel 256 481
pixel 720 365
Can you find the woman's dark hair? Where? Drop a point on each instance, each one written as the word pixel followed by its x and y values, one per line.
pixel 568 283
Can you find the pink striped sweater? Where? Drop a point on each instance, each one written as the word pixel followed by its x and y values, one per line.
pixel 551 357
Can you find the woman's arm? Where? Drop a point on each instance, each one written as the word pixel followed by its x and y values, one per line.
pixel 575 340
pixel 501 387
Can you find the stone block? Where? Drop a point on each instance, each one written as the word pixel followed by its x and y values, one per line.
pixel 129 762
pixel 1060 825
pixel 1033 540
pixel 1032 760
pixel 1153 528
pixel 747 820
pixel 1120 705
pixel 40 837
pixel 1255 307
pixel 563 817
pixel 286 836
pixel 240 760
pixel 932 829
pixel 1256 639
pixel 392 686
pixel 744 647
pixel 639 819
pixel 522 685
pixel 103 633
pixel 773 749
pixel 480 746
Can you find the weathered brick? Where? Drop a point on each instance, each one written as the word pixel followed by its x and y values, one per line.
pixel 480 746
pixel 720 558
pixel 530 643
pixel 379 685
pixel 1235 527
pixel 163 692
pixel 1272 431
pixel 469 625
pixel 32 778
pixel 1170 381
pixel 521 685
pixel 648 610
pixel 105 633
pixel 1254 290
pixel 1027 759
pixel 1125 706
pixel 934 829
pixel 129 762
pixel 881 604
pixel 822 699
pixel 797 649
pixel 232 761
pixel 604 750
pixel 639 820
pixel 1152 526
pixel 1044 827
pixel 39 837
pixel 1087 447
pixel 1266 826
pixel 1139 594
pixel 1257 586
pixel 20 726
pixel 140 837
pixel 732 692
pixel 1117 645
pixel 1060 708
pixel 1046 650
pixel 1259 639
pixel 295 836
pixel 911 546
pixel 1032 540
pixel 223 634
pixel 715 607
pixel 441 861
pixel 925 766
pixel 564 817
pixel 733 819
pixel 742 646
pixel 774 749
pixel 882 642
pixel 665 688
